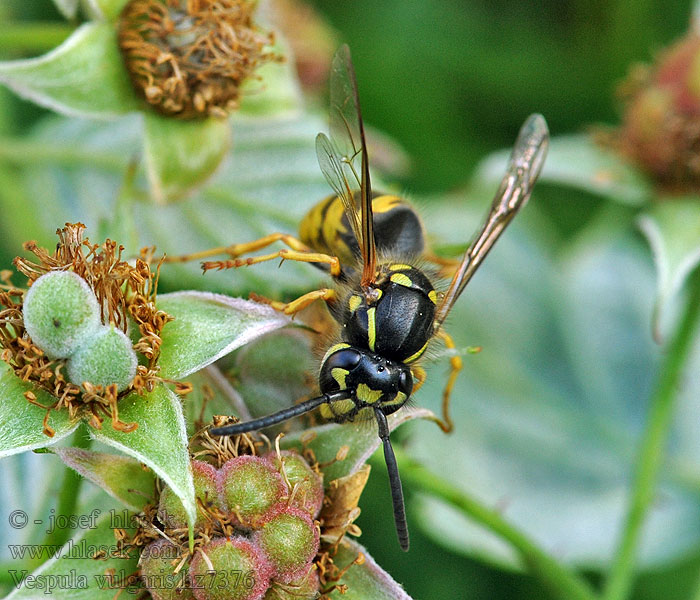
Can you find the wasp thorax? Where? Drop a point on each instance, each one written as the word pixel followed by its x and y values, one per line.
pixel 376 381
pixel 397 321
pixel 188 59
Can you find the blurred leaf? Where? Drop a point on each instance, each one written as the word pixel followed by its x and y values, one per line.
pixel 549 414
pixel 106 9
pixel 577 161
pixel 22 427
pixel 84 76
pixel 365 581
pixel 67 8
pixel 208 326
pixel 121 477
pixel 83 579
pixel 265 184
pixel 160 441
pixel 672 228
pixel 180 154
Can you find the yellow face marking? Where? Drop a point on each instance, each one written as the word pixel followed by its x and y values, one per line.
pixel 432 294
pixel 398 400
pixel 326 412
pixel 354 303
pixel 368 395
pixel 383 204
pixel 342 407
pixel 399 267
pixel 416 355
pixel 339 375
pixel 401 279
pixel 333 349
pixel 371 330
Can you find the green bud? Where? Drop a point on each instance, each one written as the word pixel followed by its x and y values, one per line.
pixel 60 313
pixel 306 485
pixel 234 569
pixel 289 539
pixel 302 588
pixel 157 572
pixel 106 358
pixel 251 487
pixel 170 510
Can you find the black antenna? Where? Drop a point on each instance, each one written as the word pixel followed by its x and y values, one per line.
pixel 394 481
pixel 282 415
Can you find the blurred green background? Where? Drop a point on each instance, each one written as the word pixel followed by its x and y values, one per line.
pixel 451 81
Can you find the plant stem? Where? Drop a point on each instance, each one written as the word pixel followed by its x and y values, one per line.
pixel 564 583
pixel 33 37
pixel 651 452
pixel 19 151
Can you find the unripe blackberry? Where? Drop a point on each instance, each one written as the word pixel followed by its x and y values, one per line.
pixel 229 569
pixel 170 510
pixel 250 488
pixel 302 588
pixel 308 495
pixel 106 358
pixel 60 313
pixel 157 566
pixel 289 539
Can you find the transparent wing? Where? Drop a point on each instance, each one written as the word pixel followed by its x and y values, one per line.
pixel 523 169
pixel 343 158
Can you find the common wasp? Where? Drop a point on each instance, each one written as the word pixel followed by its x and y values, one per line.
pixel 388 309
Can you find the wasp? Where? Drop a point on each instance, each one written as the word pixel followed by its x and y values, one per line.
pixel 388 309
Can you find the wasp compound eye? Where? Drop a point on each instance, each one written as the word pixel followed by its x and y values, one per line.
pixel 406 383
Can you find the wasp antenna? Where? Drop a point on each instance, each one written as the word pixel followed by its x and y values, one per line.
pixel 282 415
pixel 394 481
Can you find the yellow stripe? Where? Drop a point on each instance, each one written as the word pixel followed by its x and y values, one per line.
pixel 333 349
pixel 401 279
pixel 339 375
pixel 367 394
pixel 399 399
pixel 383 204
pixel 416 354
pixel 432 294
pixel 371 332
pixel 400 267
pixel 354 303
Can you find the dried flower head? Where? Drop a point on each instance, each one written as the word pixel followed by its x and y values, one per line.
pixel 188 58
pixel 124 293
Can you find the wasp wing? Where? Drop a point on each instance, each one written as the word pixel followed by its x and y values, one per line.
pixel 524 166
pixel 343 158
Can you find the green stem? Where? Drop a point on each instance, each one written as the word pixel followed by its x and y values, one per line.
pixel 653 444
pixel 33 37
pixel 18 151
pixel 564 583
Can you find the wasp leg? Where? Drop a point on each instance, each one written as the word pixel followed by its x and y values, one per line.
pixel 455 367
pixel 284 254
pixel 295 306
pixel 419 376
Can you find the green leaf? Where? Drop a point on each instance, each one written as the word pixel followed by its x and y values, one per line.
pixel 160 441
pixel 73 573
pixel 22 428
pixel 73 170
pixel 672 228
pixel 121 477
pixel 208 326
pixel 68 8
pixel 84 76
pixel 366 581
pixel 361 441
pixel 577 161
pixel 180 155
pixel 106 9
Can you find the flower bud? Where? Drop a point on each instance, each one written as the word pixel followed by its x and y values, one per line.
pixel 306 485
pixel 170 510
pixel 157 570
pixel 104 359
pixel 60 313
pixel 302 588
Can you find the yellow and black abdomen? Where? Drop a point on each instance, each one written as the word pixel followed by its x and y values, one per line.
pixel 398 230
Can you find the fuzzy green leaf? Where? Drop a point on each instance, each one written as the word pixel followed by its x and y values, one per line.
pixel 577 161
pixel 366 581
pixel 121 477
pixel 180 155
pixel 672 228
pixel 84 76
pixel 208 326
pixel 80 577
pixel 21 428
pixel 160 441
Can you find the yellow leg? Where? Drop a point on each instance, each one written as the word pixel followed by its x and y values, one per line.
pixel 293 307
pixel 299 251
pixel 455 367
pixel 284 254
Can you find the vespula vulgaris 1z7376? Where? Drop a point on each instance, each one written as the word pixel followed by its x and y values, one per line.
pixel 388 309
